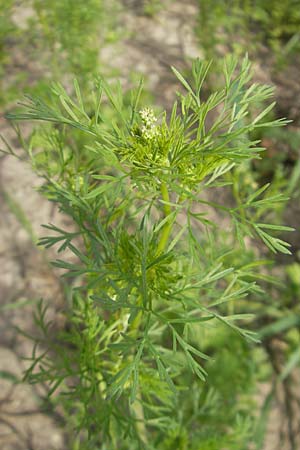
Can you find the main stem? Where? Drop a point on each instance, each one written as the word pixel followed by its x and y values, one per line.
pixel 168 226
pixel 137 406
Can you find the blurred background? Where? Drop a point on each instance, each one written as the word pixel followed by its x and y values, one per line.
pixel 42 41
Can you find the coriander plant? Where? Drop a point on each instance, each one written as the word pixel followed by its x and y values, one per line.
pixel 152 297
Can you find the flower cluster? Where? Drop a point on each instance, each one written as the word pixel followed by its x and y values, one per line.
pixel 148 129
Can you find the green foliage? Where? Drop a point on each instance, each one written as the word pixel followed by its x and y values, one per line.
pixel 153 7
pixel 244 25
pixel 156 295
pixel 6 26
pixel 58 39
pixel 280 21
pixel 7 30
pixel 72 31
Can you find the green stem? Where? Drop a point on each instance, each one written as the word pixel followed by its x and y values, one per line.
pixel 138 411
pixel 137 406
pixel 168 226
pixel 135 325
pixel 238 199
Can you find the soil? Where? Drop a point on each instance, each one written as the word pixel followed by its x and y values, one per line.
pixel 153 44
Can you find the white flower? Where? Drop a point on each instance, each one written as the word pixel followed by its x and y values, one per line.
pixel 148 130
pixel 148 117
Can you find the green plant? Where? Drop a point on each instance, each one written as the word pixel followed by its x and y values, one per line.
pixel 155 294
pixel 73 32
pixel 245 25
pixel 7 29
pixel 58 40
pixel 153 7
